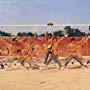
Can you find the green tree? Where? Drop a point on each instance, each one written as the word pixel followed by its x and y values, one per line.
pixel 30 34
pixel 2 33
pixel 73 32
pixel 25 34
pixel 67 30
pixel 59 33
pixel 77 32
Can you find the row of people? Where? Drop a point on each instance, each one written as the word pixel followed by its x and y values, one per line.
pixel 73 53
pixel 72 49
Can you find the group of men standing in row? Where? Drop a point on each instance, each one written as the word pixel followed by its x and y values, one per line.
pixel 73 48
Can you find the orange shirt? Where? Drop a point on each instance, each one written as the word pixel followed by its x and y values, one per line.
pixel 75 49
pixel 79 48
pixel 72 47
pixel 25 53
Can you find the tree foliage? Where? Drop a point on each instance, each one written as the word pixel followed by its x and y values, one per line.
pixel 2 33
pixel 59 33
pixel 25 34
pixel 73 32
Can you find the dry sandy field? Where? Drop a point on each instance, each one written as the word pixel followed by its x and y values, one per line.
pixel 51 79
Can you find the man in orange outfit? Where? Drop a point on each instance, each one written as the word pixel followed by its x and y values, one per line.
pixel 50 52
pixel 73 51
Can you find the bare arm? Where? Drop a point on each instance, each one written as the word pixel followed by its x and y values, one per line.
pixel 83 41
pixel 58 43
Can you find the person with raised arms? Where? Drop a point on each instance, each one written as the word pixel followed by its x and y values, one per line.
pixel 50 52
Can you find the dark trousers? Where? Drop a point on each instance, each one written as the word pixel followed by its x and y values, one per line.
pixel 73 57
pixel 88 61
pixel 55 58
pixel 46 57
pixel 22 62
pixel 2 66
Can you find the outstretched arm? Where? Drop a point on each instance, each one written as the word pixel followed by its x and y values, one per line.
pixel 61 39
pixel 87 38
pixel 58 43
pixel 84 40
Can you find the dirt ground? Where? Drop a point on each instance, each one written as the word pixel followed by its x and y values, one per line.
pixel 51 79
